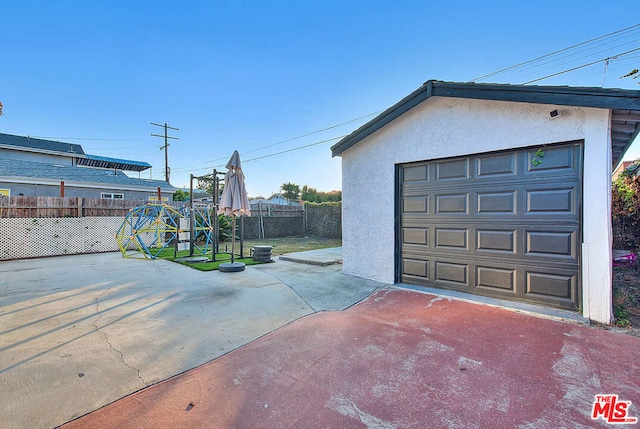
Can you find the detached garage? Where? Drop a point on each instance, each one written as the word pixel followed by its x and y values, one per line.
pixel 495 190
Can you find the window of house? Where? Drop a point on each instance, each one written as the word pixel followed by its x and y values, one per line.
pixel 111 196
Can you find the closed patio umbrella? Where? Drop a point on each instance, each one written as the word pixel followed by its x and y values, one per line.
pixel 234 202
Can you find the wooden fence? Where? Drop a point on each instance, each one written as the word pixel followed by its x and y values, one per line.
pixel 55 207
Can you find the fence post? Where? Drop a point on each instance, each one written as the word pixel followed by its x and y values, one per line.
pixel 80 207
pixel 306 220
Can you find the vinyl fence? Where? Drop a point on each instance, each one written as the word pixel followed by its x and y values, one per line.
pixel 36 237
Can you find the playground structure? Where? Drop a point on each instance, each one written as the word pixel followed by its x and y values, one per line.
pixel 150 229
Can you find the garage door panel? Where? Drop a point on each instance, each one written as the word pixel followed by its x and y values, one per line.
pixel 416 204
pixel 448 238
pixel 554 201
pixel 553 158
pixel 412 267
pixel 492 278
pixel 452 204
pixel 457 169
pixel 452 273
pixel 551 244
pixel 495 225
pixel 416 173
pixel 496 241
pixel 545 285
pixel 497 202
pixel 415 236
pixel 490 166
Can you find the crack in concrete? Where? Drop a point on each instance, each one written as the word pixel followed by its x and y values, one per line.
pixel 292 289
pixel 106 339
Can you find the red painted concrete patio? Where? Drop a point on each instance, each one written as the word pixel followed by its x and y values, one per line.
pixel 400 359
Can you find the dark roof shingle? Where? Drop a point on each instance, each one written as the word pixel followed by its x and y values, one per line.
pixel 40 144
pixel 70 173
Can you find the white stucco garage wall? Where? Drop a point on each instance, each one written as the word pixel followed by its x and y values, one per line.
pixel 447 127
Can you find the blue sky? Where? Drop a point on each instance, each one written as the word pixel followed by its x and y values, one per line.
pixel 265 77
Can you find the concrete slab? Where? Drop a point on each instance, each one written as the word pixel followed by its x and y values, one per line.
pixel 399 359
pixel 323 288
pixel 79 332
pixel 321 257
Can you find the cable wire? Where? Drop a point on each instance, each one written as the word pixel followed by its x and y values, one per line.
pixel 554 53
pixel 579 67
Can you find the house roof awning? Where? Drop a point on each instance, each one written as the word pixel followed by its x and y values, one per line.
pixel 624 104
pixel 624 129
pixel 113 163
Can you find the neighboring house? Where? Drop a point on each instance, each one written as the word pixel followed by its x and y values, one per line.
pixel 276 199
pixel 622 167
pixel 37 167
pixel 259 200
pixel 199 195
pixel 635 170
pixel 496 190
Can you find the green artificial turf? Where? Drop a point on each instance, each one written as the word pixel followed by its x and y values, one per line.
pixel 168 254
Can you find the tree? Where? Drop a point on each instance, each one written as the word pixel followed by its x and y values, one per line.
pixel 309 194
pixel 625 208
pixel 180 195
pixel 290 191
pixel 206 183
pixel 312 195
pixel 333 196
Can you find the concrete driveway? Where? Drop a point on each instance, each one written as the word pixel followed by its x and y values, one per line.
pixel 79 332
pixel 399 360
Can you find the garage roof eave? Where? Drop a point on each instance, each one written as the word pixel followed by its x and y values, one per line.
pixel 619 100
pixel 401 107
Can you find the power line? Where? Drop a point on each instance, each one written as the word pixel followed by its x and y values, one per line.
pixel 590 55
pixel 580 67
pixel 554 53
pixel 294 149
pixel 609 70
pixel 288 140
pixel 313 132
pixel 223 158
pixel 271 154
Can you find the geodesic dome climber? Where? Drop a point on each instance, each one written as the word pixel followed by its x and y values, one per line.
pixel 148 230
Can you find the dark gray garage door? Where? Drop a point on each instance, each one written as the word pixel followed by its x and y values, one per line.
pixel 503 224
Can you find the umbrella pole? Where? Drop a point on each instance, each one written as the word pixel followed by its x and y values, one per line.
pixel 233 240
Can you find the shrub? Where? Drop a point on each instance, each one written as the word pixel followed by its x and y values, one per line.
pixel 625 204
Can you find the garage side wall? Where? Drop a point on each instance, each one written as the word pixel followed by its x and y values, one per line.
pixel 447 127
pixel 597 243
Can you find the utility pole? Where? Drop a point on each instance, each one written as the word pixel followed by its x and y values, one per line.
pixel 166 146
